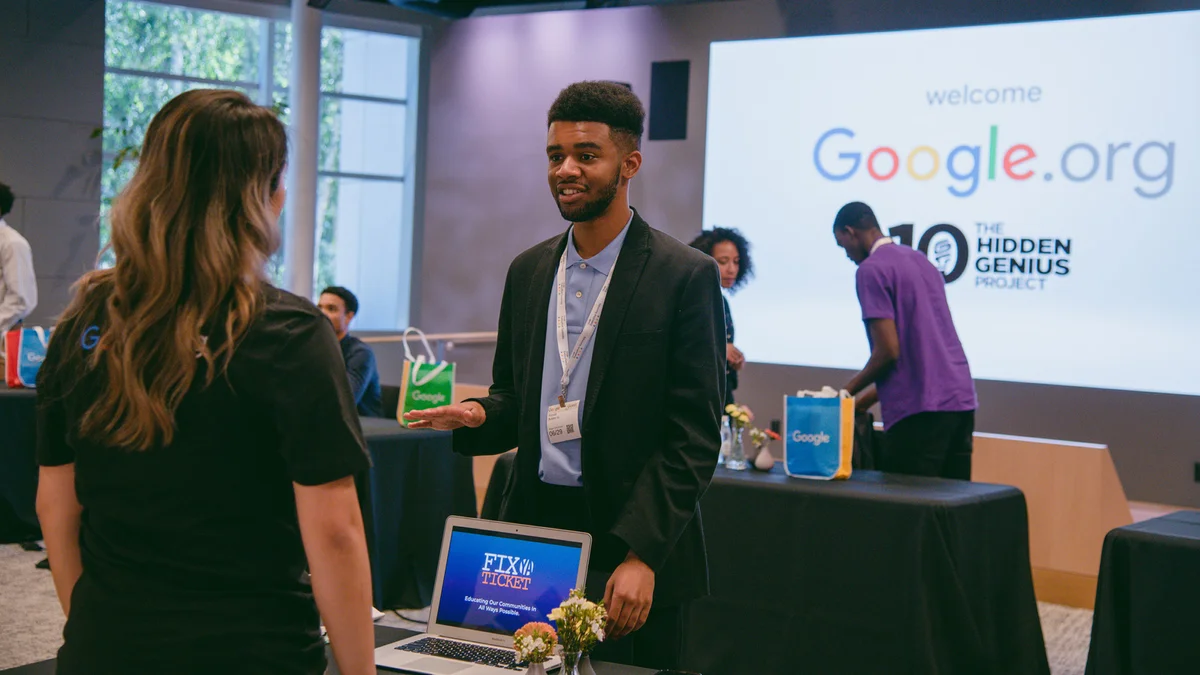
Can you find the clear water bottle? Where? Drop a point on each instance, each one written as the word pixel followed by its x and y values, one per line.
pixel 726 440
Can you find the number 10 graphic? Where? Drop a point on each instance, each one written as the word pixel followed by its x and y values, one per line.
pixel 951 259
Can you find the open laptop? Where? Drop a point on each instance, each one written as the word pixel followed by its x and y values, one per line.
pixel 492 579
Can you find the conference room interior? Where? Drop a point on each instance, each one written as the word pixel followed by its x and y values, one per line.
pixel 427 178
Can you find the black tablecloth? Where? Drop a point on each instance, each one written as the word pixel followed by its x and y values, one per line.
pixel 383 635
pixel 878 574
pixel 1147 619
pixel 415 483
pixel 18 466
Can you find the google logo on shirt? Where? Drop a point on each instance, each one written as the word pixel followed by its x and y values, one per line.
pixel 838 158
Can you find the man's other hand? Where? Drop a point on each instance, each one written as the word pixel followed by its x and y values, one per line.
pixel 628 597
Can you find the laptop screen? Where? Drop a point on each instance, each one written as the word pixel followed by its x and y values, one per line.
pixel 497 582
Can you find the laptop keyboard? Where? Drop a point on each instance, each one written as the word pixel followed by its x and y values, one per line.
pixel 465 651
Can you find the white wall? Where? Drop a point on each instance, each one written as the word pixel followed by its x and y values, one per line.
pixel 51 98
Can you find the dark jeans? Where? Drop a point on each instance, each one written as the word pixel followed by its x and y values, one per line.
pixel 659 643
pixel 936 444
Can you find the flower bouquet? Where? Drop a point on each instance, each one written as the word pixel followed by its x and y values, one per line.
pixel 534 643
pixel 740 418
pixel 580 625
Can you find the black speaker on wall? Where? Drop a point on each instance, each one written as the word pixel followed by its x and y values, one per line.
pixel 668 100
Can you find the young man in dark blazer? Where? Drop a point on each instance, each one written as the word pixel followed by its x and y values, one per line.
pixel 625 445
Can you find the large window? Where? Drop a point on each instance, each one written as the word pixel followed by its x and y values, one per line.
pixel 155 51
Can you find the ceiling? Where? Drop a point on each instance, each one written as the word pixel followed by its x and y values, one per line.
pixel 458 9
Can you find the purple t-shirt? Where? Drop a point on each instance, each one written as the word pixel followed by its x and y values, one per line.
pixel 931 374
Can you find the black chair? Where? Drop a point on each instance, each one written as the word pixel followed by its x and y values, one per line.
pixel 494 496
pixel 391 400
pixel 869 443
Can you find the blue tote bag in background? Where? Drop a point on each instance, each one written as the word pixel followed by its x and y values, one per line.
pixel 24 351
pixel 819 438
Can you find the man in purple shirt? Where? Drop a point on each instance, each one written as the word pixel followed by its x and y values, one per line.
pixel 918 368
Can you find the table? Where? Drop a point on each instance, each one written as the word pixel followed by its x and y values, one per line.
pixel 416 482
pixel 1147 618
pixel 394 634
pixel 878 574
pixel 18 466
pixel 383 635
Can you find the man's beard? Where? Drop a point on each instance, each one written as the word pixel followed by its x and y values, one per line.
pixel 590 209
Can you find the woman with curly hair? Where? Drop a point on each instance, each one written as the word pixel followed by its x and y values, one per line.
pixel 732 252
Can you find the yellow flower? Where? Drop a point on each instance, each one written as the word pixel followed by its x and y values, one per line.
pixel 731 408
pixel 556 614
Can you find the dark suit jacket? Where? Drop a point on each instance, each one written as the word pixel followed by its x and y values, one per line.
pixel 651 423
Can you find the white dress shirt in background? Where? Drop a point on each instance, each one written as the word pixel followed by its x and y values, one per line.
pixel 18 285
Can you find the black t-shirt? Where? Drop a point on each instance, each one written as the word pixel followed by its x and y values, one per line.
pixel 192 558
pixel 731 375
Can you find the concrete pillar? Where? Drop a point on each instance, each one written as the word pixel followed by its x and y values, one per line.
pixel 304 99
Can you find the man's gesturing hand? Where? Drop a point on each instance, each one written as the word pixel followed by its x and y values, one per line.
pixel 447 417
pixel 628 597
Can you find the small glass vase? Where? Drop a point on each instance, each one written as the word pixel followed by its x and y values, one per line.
pixel 585 666
pixel 570 663
pixel 723 454
pixel 737 452
pixel 536 669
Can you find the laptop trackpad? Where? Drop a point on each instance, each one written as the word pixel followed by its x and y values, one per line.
pixel 437 666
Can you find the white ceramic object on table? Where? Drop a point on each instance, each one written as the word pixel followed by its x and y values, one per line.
pixel 765 460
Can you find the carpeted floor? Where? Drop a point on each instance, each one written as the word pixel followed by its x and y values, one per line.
pixel 1068 632
pixel 31 621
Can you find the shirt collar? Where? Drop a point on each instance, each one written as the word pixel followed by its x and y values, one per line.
pixel 603 261
pixel 882 241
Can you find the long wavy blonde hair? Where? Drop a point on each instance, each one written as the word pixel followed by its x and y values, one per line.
pixel 191 233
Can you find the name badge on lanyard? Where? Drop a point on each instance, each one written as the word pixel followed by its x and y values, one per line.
pixel 562 420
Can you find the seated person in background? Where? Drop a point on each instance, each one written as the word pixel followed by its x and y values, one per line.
pixel 920 372
pixel 340 305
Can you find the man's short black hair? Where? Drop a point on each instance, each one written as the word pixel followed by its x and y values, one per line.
pixel 347 297
pixel 605 102
pixel 6 200
pixel 709 239
pixel 856 216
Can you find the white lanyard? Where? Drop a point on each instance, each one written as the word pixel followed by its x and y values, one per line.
pixel 569 361
pixel 882 241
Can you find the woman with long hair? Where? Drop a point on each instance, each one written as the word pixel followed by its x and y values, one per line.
pixel 731 250
pixel 196 432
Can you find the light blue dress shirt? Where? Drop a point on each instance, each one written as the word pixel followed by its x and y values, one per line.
pixel 562 463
